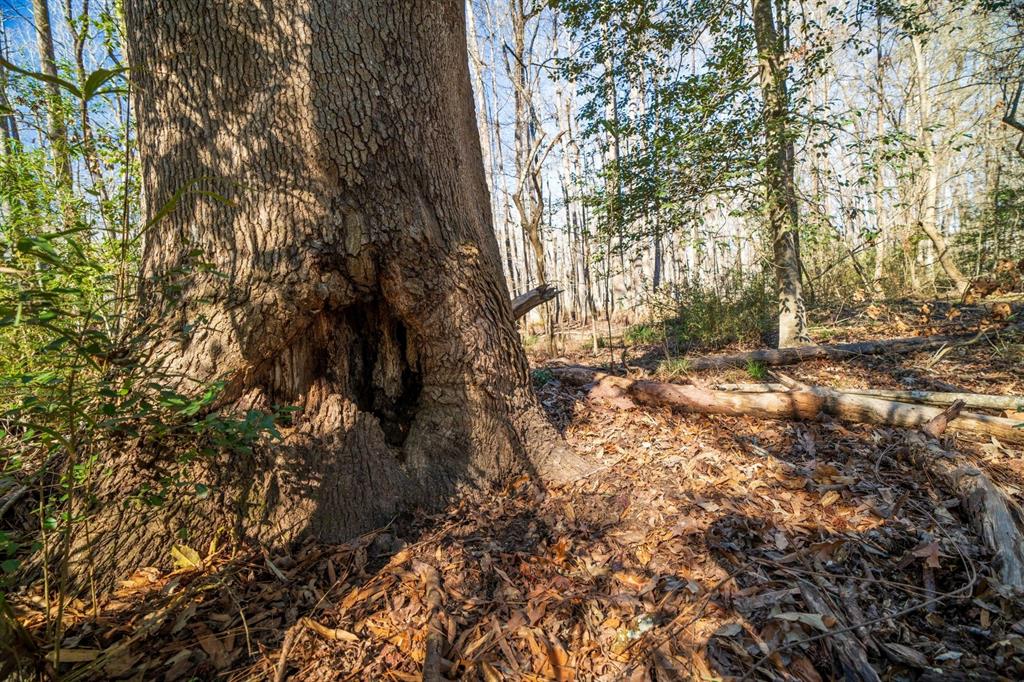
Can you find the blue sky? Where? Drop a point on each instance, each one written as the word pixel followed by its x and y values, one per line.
pixel 13 9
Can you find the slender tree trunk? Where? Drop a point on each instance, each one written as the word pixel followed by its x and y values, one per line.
pixel 8 123
pixel 528 197
pixel 58 132
pixel 78 26
pixel 354 274
pixel 881 226
pixel 780 192
pixel 929 217
pixel 617 284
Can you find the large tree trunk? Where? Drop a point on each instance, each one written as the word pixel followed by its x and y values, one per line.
pixel 354 274
pixel 780 191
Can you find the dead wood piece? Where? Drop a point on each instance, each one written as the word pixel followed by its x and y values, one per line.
pixel 286 647
pixel 434 598
pixel 992 513
pixel 842 351
pixel 846 647
pixel 936 426
pixel 938 398
pixel 803 403
pixel 869 410
pixel 525 302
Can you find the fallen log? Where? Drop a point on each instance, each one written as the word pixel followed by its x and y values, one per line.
pixel 840 351
pixel 992 513
pixel 976 401
pixel 801 403
pixel 994 516
pixel 525 302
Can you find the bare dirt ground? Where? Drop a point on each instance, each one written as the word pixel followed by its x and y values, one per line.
pixel 700 548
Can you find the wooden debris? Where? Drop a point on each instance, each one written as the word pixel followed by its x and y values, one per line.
pixel 525 302
pixel 841 351
pixel 434 598
pixel 846 647
pixel 936 426
pixel 681 555
pixel 803 402
pixel 993 514
pixel 978 401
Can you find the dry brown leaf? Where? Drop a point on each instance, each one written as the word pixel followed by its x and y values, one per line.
pixel 930 553
pixel 815 620
pixel 630 579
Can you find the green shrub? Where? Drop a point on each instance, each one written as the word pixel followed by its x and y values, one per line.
pixel 644 334
pixel 541 377
pixel 703 319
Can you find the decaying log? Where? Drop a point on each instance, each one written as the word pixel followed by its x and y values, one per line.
pixel 866 409
pixel 940 398
pixel 841 351
pixel 802 403
pixel 524 303
pixel 434 599
pixel 994 515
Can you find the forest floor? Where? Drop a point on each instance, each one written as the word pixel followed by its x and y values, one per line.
pixel 700 548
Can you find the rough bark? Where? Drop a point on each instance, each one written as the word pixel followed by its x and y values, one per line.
pixel 354 273
pixel 780 189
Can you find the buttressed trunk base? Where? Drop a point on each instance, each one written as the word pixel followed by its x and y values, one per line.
pixel 354 274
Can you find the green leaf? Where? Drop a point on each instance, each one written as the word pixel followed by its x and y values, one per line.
pixel 97 79
pixel 46 78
